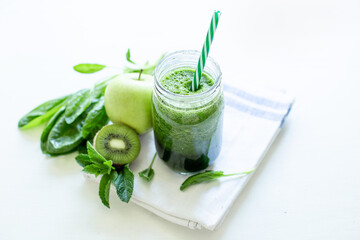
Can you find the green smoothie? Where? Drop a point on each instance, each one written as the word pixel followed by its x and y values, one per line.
pixel 188 138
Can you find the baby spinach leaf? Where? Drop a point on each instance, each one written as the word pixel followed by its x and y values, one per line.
pixel 124 183
pixel 148 173
pixel 46 131
pixel 88 67
pixel 99 88
pixel 128 57
pixel 83 160
pixel 41 113
pixel 77 104
pixel 64 137
pixel 207 176
pixel 95 120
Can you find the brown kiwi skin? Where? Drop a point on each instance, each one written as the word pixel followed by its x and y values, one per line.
pixel 118 166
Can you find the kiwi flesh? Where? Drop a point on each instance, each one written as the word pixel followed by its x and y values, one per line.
pixel 118 143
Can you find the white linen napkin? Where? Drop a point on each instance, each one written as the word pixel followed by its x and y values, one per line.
pixel 252 119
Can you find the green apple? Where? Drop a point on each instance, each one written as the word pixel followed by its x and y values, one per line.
pixel 128 101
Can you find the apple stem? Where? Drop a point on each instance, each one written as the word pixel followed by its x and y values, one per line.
pixel 141 70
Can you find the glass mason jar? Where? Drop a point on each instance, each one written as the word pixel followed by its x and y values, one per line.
pixel 187 128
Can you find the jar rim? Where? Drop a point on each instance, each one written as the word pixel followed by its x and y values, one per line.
pixel 217 81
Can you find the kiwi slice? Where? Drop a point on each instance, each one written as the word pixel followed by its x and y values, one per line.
pixel 118 143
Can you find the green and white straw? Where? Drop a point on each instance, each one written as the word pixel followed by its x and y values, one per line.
pixel 205 51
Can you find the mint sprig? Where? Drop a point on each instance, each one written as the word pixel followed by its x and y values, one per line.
pixel 94 163
pixel 147 68
pixel 208 176
pixel 148 173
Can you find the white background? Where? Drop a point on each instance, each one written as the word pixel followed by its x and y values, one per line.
pixel 308 186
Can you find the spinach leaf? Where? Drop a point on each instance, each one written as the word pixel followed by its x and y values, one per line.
pixel 95 120
pixel 45 134
pixel 124 183
pixel 88 67
pixel 99 88
pixel 63 137
pixel 41 113
pixel 207 176
pixel 148 173
pixel 128 57
pixel 77 105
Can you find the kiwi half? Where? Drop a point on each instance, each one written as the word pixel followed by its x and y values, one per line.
pixel 118 143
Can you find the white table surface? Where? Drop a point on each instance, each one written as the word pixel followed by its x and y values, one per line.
pixel 308 186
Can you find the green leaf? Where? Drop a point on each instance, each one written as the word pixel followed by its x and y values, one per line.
pixel 99 88
pixel 63 137
pixel 148 173
pixel 94 155
pixel 95 120
pixel 98 169
pixel 208 176
pixel 104 189
pixel 88 67
pixel 128 57
pixel 82 148
pixel 77 104
pixel 108 163
pixel 124 184
pixel 41 113
pixel 145 69
pixel 95 169
pixel 83 160
pixel 47 130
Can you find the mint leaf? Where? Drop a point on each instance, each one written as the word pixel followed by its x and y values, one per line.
pixel 94 155
pixel 128 57
pixel 148 173
pixel 104 189
pixel 145 69
pixel 108 164
pixel 124 183
pixel 94 169
pixel 83 160
pixel 207 176
pixel 88 67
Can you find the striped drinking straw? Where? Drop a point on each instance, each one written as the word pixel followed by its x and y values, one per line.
pixel 205 51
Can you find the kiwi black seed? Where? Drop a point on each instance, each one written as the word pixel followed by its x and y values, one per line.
pixel 118 143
